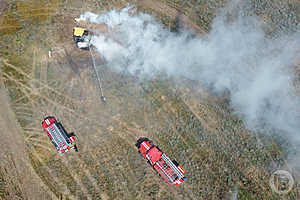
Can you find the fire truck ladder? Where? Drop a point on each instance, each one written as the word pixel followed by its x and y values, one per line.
pixel 171 164
pixel 164 173
pixel 97 75
pixel 56 135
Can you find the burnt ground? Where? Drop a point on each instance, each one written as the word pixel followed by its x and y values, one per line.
pixel 221 157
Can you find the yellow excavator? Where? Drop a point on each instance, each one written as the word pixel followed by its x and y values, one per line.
pixel 82 38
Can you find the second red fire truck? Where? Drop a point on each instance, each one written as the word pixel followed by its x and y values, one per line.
pixel 169 170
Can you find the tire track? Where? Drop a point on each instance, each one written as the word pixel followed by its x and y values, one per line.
pixel 38 81
pixel 68 192
pixel 76 177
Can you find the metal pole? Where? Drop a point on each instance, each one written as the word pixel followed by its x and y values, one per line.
pixel 97 75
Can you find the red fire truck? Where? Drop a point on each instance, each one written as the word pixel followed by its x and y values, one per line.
pixel 62 141
pixel 169 170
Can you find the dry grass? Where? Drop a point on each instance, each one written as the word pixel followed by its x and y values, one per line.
pixel 212 144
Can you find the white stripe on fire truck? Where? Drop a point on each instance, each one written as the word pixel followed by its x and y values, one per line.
pixel 72 139
pixel 181 169
pixel 146 146
pixel 147 157
pixel 47 121
pixel 178 181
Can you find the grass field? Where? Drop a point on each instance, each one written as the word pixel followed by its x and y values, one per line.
pixel 222 158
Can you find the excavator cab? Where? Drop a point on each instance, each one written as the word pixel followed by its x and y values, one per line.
pixel 82 38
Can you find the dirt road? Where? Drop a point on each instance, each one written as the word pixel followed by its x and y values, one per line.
pixel 15 166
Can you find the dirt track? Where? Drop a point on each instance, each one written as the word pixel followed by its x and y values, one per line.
pixel 19 172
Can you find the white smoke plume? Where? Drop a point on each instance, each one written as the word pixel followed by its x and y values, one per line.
pixel 235 57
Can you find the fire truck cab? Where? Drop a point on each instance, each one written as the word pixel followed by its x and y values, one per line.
pixel 62 141
pixel 170 171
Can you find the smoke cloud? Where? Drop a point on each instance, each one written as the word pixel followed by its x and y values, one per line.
pixel 234 56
